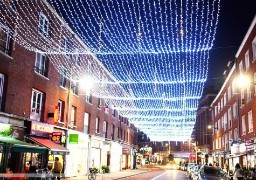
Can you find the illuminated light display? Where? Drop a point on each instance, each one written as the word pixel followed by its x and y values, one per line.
pixel 149 59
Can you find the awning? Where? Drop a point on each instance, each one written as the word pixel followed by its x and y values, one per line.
pixel 21 146
pixel 53 147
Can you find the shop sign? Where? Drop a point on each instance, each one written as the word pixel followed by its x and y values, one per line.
pixel 56 137
pixel 242 148
pixel 235 149
pixel 73 139
pixel 41 129
pixel 192 156
pixel 126 151
pixel 5 129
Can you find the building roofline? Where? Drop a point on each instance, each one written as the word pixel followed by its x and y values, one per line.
pixel 224 84
pixel 246 36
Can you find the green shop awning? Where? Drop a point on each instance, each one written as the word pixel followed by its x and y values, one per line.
pixel 20 146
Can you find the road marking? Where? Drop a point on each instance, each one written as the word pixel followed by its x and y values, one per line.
pixel 158 176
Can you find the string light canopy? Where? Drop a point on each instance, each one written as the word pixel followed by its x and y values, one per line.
pixel 151 56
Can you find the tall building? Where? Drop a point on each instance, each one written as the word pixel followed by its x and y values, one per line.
pixel 233 109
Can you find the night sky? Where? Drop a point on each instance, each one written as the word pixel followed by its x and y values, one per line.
pixel 234 21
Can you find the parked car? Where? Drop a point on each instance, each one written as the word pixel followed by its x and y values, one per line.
pixel 210 173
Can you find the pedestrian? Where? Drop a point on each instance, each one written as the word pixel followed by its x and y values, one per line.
pixel 238 175
pixel 57 168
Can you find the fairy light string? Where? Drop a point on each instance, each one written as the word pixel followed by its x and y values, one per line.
pixel 149 59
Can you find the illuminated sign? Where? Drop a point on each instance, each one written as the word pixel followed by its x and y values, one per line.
pixel 56 137
pixel 125 150
pixel 73 138
pixel 41 129
pixel 5 129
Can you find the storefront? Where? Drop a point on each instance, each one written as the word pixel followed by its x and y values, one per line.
pixel 115 157
pixel 14 150
pixel 127 159
pixel 76 161
pixel 96 144
pixel 46 135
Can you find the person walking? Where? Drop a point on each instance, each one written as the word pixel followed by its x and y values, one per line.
pixel 238 175
pixel 57 168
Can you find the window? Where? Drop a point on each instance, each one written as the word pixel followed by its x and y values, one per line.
pixel 249 94
pixel 77 57
pixel 97 124
pixel 241 67
pixel 118 133
pixel 61 106
pixel 36 105
pixel 64 45
pixel 235 113
pixel 41 64
pixel 225 121
pixel 105 128
pixel 247 61
pixel 254 79
pixel 88 98
pixel 112 132
pixel 229 93
pixel 1 91
pixel 222 104
pixel 75 87
pixel 86 122
pixel 233 87
pixel 243 126
pixel 73 117
pixel 242 97
pixel 63 74
pixel 225 99
pixel 235 134
pixel 43 25
pixel 113 112
pixel 250 122
pixel 5 39
pixel 229 118
pixel 254 48
pixel 99 103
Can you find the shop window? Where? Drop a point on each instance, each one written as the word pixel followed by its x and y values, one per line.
pixel 73 117
pixel 41 64
pixel 43 26
pixel 5 39
pixel 36 105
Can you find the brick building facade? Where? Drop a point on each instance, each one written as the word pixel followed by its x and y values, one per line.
pixel 38 90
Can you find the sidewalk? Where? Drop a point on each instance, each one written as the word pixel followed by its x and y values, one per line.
pixel 114 175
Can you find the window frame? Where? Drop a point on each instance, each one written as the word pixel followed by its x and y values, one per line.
pixel 44 27
pixel 41 65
